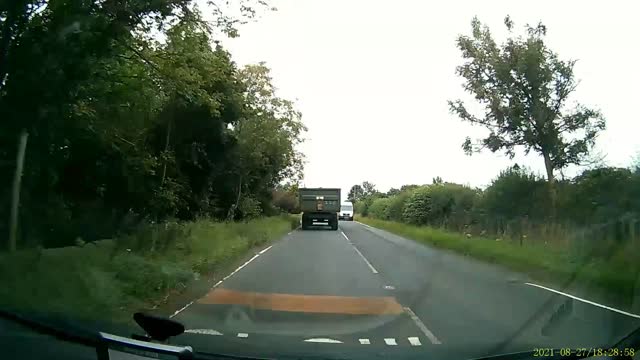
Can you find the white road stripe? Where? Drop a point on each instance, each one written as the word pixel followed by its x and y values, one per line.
pixel 204 331
pixel 365 341
pixel 390 341
pixel 243 335
pixel 422 326
pixel 324 340
pixel 363 224
pixel 223 279
pixel 415 341
pixel 586 301
pixel 373 270
pixel 179 311
pixel 345 236
pixel 265 250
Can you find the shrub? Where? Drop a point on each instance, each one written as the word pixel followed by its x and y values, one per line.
pixel 516 192
pixel 417 207
pixel 378 208
pixel 395 206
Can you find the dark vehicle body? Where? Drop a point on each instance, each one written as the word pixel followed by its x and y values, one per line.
pixel 320 205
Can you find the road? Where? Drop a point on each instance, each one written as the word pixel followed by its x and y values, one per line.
pixel 360 292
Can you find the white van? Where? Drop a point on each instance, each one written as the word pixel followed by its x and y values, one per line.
pixel 346 211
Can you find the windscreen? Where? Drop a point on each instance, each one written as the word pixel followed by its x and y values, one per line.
pixel 346 208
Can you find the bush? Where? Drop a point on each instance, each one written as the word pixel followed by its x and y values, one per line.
pixel 362 206
pixel 395 206
pixel 603 194
pixel 417 207
pixel 451 204
pixel 515 193
pixel 378 208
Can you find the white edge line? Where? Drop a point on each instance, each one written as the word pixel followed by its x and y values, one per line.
pixel 414 341
pixel 179 311
pixel 390 341
pixel 265 250
pixel 324 340
pixel 220 282
pixel 373 270
pixel 363 224
pixel 345 236
pixel 586 301
pixel 434 340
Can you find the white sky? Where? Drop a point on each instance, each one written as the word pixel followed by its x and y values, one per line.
pixel 372 79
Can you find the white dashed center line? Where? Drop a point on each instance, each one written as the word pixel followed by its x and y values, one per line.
pixel 390 341
pixel 414 341
pixel 365 341
pixel 243 335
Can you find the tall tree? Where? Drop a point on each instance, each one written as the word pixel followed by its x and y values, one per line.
pixel 524 88
pixel 355 193
pixel 368 188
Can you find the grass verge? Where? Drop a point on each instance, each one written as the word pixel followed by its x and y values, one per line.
pixel 109 279
pixel 610 268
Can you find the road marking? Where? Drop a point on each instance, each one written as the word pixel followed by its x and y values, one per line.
pixel 586 301
pixel 322 304
pixel 389 287
pixel 373 270
pixel 414 341
pixel 363 224
pixel 324 340
pixel 390 341
pixel 265 250
pixel 243 335
pixel 203 332
pixel 422 326
pixel 343 234
pixel 179 311
pixel 223 279
pixel 365 341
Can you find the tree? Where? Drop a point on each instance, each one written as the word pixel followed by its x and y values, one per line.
pixel 524 88
pixel 356 193
pixel 140 118
pixel 393 191
pixel 368 189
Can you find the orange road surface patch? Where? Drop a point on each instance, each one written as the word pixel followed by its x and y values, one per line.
pixel 305 303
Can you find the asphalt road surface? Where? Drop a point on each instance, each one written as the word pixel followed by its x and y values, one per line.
pixel 361 292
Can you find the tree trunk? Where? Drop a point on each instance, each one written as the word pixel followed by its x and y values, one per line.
pixel 232 212
pixel 166 148
pixel 15 198
pixel 551 182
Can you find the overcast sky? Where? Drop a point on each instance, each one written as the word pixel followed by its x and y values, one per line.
pixel 372 79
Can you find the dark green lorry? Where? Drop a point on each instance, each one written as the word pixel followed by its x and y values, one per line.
pixel 319 205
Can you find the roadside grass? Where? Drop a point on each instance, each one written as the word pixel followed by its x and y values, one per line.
pixel 109 279
pixel 612 268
